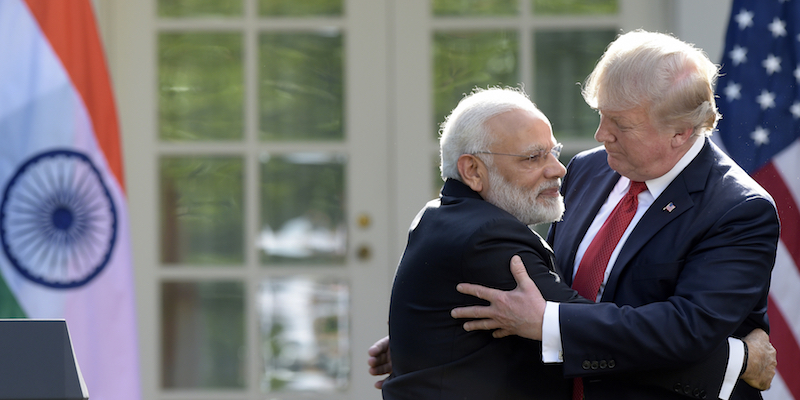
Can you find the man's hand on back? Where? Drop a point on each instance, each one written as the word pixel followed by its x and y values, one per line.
pixel 517 312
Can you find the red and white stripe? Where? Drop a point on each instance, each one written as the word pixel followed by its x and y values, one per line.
pixel 780 178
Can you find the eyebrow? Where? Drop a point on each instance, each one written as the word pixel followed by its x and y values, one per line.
pixel 537 147
pixel 621 119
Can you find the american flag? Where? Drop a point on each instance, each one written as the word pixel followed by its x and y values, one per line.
pixel 759 99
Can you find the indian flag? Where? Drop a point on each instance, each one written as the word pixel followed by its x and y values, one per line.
pixel 63 213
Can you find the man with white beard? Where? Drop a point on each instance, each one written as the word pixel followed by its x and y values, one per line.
pixel 502 173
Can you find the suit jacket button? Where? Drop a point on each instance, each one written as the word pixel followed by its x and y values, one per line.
pixel 687 390
pixel 702 394
pixel 603 364
pixel 595 365
pixel 678 388
pixel 611 364
pixel 586 364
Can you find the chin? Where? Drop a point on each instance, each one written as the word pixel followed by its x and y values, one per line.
pixel 616 166
pixel 550 210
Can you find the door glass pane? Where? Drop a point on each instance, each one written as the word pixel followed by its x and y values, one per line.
pixel 563 60
pixel 199 8
pixel 202 335
pixel 301 86
pixel 200 86
pixel 463 60
pixel 575 6
pixel 304 325
pixel 303 209
pixel 201 210
pixel 296 8
pixel 475 7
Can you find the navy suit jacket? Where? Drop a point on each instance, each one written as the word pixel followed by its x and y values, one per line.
pixel 698 273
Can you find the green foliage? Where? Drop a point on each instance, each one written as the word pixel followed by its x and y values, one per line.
pixel 308 186
pixel 563 60
pixel 223 321
pixel 199 8
pixel 202 219
pixel 474 7
pixel 301 86
pixel 208 318
pixel 464 60
pixel 201 87
pixel 297 8
pixel 563 7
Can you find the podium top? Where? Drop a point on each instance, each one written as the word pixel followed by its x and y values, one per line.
pixel 38 361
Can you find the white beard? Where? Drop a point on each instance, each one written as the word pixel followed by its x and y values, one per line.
pixel 523 203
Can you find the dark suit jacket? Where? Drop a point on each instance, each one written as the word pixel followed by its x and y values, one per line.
pixel 701 271
pixel 462 238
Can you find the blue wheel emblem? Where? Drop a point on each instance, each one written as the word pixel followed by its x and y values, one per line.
pixel 58 223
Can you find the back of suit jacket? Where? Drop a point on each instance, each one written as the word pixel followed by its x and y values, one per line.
pixel 699 261
pixel 462 238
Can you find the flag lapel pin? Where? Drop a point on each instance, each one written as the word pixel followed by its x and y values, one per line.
pixel 669 207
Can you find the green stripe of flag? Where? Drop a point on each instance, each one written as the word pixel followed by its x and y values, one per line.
pixel 9 307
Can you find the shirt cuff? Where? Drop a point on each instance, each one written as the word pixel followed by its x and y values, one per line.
pixel 734 368
pixel 551 335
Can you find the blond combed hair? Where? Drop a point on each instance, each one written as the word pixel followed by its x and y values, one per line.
pixel 670 78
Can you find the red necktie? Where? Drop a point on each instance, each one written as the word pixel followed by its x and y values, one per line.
pixel 595 260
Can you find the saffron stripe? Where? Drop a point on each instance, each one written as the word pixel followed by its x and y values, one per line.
pixel 70 28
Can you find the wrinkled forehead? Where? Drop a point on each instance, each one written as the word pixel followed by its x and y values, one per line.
pixel 524 130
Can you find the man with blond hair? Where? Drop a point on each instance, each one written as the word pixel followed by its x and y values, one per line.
pixel 691 263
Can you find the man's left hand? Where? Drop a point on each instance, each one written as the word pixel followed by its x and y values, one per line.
pixel 517 312
pixel 761 362
pixel 380 360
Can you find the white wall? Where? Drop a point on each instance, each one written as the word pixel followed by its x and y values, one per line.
pixel 702 22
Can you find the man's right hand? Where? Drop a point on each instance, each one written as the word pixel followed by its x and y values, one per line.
pixel 761 360
pixel 380 360
pixel 517 312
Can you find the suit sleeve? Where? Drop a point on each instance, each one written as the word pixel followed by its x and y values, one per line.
pixel 498 241
pixel 695 380
pixel 720 291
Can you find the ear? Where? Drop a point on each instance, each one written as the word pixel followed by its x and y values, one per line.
pixel 473 172
pixel 681 137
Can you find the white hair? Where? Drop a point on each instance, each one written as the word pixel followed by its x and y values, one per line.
pixel 464 131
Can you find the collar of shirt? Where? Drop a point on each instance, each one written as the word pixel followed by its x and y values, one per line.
pixel 654 189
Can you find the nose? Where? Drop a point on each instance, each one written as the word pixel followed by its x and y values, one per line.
pixel 554 168
pixel 602 134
